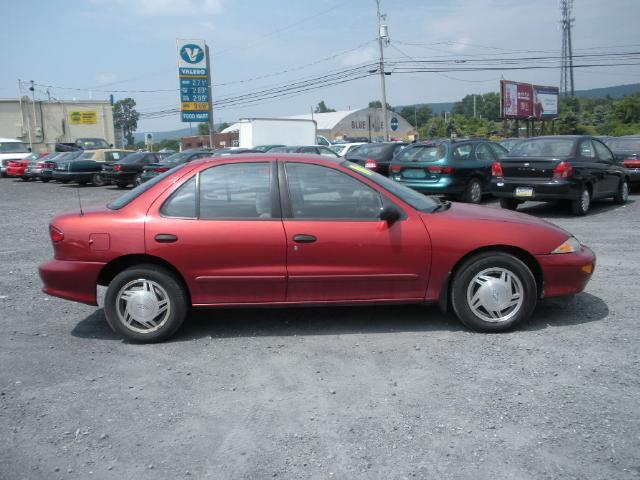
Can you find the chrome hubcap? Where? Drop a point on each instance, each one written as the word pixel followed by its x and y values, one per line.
pixel 585 200
pixel 625 191
pixel 143 306
pixel 476 192
pixel 495 295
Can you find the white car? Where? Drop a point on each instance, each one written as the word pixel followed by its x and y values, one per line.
pixel 11 149
pixel 343 148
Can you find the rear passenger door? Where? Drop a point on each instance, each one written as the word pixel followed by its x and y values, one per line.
pixel 613 172
pixel 594 170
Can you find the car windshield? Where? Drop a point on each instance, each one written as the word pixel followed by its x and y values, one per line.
pixel 422 153
pixel 371 151
pixel 415 199
pixel 624 144
pixel 92 143
pixel 544 147
pixel 13 147
pixel 134 157
pixel 86 156
pixel 131 195
pixel 33 156
pixel 68 156
pixel 337 148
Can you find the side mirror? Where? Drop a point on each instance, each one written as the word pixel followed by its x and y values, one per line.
pixel 389 214
pixel 29 148
pixel 111 145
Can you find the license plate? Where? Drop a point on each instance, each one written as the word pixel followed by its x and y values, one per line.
pixel 524 192
pixel 413 173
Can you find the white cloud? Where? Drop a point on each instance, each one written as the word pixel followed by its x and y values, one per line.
pixel 168 7
pixel 359 56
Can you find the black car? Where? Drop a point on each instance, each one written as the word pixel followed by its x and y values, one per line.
pixel 627 153
pixel 577 168
pixel 448 167
pixel 57 163
pixel 124 172
pixel 376 156
pixel 154 169
pixel 92 143
pixel 509 143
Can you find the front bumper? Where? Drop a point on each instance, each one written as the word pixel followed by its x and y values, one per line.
pixel 543 189
pixel 566 273
pixel 71 280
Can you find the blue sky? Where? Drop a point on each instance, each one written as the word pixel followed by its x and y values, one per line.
pixel 105 45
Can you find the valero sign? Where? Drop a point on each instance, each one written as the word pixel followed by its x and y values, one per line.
pixel 194 75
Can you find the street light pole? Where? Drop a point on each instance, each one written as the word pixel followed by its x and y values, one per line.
pixel 382 81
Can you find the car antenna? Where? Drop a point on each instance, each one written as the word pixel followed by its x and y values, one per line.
pixel 79 201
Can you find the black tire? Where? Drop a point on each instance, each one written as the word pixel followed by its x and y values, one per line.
pixel 622 195
pixel 64 181
pixel 98 180
pixel 464 284
pixel 509 203
pixel 580 206
pixel 178 305
pixel 138 180
pixel 122 184
pixel 3 174
pixel 45 180
pixel 25 179
pixel 473 193
pixel 83 182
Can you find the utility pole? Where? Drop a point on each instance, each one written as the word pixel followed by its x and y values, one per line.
pixel 212 133
pixel 474 105
pixel 383 33
pixel 566 69
pixel 415 121
pixel 33 97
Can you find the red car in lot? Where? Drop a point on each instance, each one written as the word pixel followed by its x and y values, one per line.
pixel 18 168
pixel 265 229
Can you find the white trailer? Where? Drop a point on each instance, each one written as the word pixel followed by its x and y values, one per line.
pixel 276 131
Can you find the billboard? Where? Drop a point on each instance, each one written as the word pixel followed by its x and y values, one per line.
pixel 545 102
pixel 193 71
pixel 524 101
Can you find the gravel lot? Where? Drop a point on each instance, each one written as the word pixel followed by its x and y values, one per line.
pixel 385 392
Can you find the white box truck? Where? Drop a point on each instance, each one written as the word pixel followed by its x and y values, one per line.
pixel 276 131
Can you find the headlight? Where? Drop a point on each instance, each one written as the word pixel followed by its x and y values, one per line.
pixel 571 245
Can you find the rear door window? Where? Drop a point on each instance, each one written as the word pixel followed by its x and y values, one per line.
pixel 483 152
pixel 603 152
pixel 462 152
pixel 586 150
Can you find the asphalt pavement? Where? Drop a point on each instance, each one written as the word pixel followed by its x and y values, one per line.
pixel 345 393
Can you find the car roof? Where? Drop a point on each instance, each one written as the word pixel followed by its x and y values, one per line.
pixel 5 140
pixel 269 157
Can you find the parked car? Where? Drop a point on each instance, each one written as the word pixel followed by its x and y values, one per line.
pixel 11 149
pixel 87 167
pixel 60 167
pixel 124 172
pixel 297 230
pixel 310 149
pixel 18 168
pixel 92 143
pixel 376 156
pixel 44 170
pixel 155 169
pixel 577 168
pixel 342 149
pixel 266 148
pixel 461 169
pixel 34 170
pixel 509 143
pixel 626 150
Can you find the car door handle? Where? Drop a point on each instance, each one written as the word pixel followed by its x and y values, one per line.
pixel 303 238
pixel 165 238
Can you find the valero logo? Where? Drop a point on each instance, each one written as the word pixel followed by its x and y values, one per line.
pixel 191 53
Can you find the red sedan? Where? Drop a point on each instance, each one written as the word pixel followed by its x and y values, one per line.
pixel 262 229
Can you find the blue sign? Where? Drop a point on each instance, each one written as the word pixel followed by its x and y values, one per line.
pixel 394 123
pixel 191 53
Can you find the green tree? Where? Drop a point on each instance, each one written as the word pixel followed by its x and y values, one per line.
pixel 126 117
pixel 420 114
pixel 169 144
pixel 322 108
pixel 222 126
pixel 378 104
pixel 203 128
pixel 433 130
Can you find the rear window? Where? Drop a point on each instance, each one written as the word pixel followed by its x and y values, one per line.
pixel 13 147
pixel 134 157
pixel 131 195
pixel 372 151
pixel 422 153
pixel 544 147
pixel 624 144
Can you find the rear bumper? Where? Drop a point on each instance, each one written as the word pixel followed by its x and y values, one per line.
pixel 71 280
pixel 445 185
pixel 16 171
pixel 543 189
pixel 634 175
pixel 120 177
pixel 566 273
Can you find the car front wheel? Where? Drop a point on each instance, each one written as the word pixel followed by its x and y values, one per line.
pixel 493 292
pixel 145 304
pixel 580 206
pixel 98 180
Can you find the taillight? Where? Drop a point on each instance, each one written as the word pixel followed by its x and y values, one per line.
pixel 55 234
pixel 117 168
pixel 160 169
pixel 371 164
pixel 496 170
pixel 631 162
pixel 395 168
pixel 563 170
pixel 39 165
pixel 440 170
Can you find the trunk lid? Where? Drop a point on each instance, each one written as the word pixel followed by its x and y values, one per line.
pixel 529 167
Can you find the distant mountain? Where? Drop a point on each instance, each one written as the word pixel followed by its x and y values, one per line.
pixel 617 91
pixel 169 135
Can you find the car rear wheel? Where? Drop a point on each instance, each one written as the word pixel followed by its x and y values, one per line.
pixel 473 192
pixel 25 179
pixel 121 184
pixel 98 180
pixel 145 304
pixel 83 182
pixel 138 180
pixel 493 292
pixel 580 206
pixel 509 203
pixel 45 180
pixel 623 192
